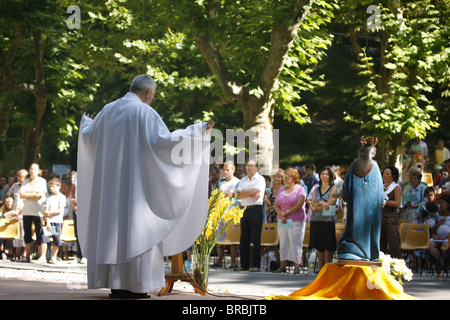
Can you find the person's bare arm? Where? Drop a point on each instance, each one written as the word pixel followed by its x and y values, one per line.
pixel 252 193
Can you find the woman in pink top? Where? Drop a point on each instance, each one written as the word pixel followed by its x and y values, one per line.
pixel 290 208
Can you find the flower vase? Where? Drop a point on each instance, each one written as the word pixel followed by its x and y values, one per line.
pixel 200 268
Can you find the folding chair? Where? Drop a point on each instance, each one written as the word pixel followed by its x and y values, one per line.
pixel 307 235
pixel 269 237
pixel 68 231
pixel 414 236
pixel 400 221
pixel 9 229
pixel 428 178
pixel 306 250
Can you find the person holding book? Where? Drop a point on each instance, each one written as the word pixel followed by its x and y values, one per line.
pixel 430 196
pixel 413 196
pixel 54 215
pixel 323 231
pixel 290 208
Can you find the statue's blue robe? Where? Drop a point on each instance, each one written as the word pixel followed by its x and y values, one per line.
pixel 364 198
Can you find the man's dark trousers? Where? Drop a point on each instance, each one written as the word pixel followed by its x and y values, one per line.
pixel 251 226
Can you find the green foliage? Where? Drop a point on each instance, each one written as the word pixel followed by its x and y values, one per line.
pixel 60 71
pixel 398 104
pixel 118 39
pixel 242 33
pixel 297 77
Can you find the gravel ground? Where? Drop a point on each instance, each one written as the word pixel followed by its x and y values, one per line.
pixel 74 277
pixel 217 283
pixel 222 281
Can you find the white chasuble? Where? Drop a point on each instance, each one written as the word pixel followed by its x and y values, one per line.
pixel 142 193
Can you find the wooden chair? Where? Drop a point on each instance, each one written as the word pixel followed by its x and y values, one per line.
pixel 68 231
pixel 9 229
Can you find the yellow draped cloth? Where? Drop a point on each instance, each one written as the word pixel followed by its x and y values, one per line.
pixel 349 282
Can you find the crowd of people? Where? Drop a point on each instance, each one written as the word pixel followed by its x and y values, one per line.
pixel 297 196
pixel 40 202
pixel 291 197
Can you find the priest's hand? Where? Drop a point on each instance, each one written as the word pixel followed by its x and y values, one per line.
pixel 88 115
pixel 209 126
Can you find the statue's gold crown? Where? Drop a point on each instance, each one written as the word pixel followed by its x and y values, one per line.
pixel 369 141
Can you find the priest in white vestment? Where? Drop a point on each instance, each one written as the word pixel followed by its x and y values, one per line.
pixel 137 202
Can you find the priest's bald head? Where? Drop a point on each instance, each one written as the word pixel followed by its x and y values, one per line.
pixel 144 87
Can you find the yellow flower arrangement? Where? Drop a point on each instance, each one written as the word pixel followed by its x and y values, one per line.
pixel 220 208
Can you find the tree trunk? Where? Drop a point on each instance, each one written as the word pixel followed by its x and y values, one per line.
pixel 257 111
pixel 5 110
pixel 32 136
pixel 258 122
pixel 389 152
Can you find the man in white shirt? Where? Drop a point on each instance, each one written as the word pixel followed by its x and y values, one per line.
pixel 251 193
pixel 228 185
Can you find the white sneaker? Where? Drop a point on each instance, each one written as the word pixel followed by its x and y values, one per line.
pixel 41 260
pixel 53 260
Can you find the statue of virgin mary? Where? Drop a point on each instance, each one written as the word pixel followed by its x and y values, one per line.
pixel 363 194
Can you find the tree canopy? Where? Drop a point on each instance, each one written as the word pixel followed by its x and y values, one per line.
pixel 256 65
pixel 408 67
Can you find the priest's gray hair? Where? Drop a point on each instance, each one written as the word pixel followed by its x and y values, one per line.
pixel 142 83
